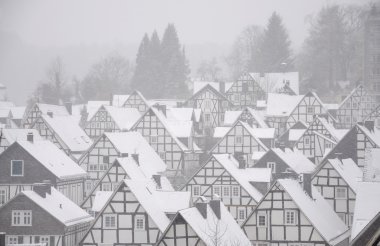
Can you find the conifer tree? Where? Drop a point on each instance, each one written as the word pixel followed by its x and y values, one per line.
pixel 140 80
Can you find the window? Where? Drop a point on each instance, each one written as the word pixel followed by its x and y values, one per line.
pixel 235 191
pixel 107 187
pixel 207 117
pixel 153 139
pixel 21 218
pixel 238 140
pixel 226 191
pixel 310 109
pixel 328 145
pixel 196 189
pixel 140 222
pixel 92 167
pixel 12 240
pixel 44 240
pixel 272 166
pixel 88 185
pixel 290 217
pixel 237 97
pixel 341 192
pixel 241 214
pixel 106 159
pixel 261 220
pixel 307 140
pixel 17 168
pixel 3 196
pixel 110 221
pixel 216 190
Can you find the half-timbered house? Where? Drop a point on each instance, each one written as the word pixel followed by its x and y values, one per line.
pixel 135 214
pixel 249 115
pixel 172 140
pixel 292 135
pixel 16 115
pixel 111 119
pixel 319 138
pixel 285 162
pixel 207 223
pixel 39 109
pixel 285 83
pixel 355 107
pixel 337 180
pixel 27 162
pixel 239 187
pixel 294 213
pixel 374 116
pixel 131 167
pixel 240 138
pixel 111 145
pixel 43 216
pixel 9 136
pixel 137 100
pixel 64 132
pixel 355 142
pixel 213 105
pixel 245 92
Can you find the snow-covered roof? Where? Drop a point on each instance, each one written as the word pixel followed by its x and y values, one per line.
pixel 93 106
pixel 245 176
pixel 4 112
pixel 17 112
pixel 55 109
pixel 296 134
pixel 6 104
pixel 337 134
pixel 349 171
pixel 17 134
pixel 230 117
pixel 281 104
pixel 272 82
pixel 153 204
pixel 372 165
pixel 180 129
pixel 295 160
pixel 134 143
pixel 199 85
pixel 101 198
pixel 262 133
pixel 180 114
pixel 173 201
pixel 169 103
pixel 220 131
pixel 332 106
pixel 373 135
pixel 60 207
pixel 124 118
pixel 257 155
pixel 366 206
pixel 68 130
pixel 230 231
pixel 53 159
pixel 316 209
pixel 119 100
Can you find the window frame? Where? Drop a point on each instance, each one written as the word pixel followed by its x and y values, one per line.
pixel 22 168
pixel 265 220
pixel 224 187
pixel 233 189
pixel 193 188
pixel 137 218
pixel 272 166
pixel 286 222
pixel 307 143
pixel 111 216
pixel 239 210
pixel 220 190
pixel 345 193
pixel 22 217
pixel 3 195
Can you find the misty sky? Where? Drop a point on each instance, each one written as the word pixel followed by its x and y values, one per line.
pixel 33 32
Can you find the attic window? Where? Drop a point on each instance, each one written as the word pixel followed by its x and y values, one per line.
pixel 310 110
pixel 17 168
pixel 290 217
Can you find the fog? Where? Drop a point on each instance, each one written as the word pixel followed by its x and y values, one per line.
pixel 81 32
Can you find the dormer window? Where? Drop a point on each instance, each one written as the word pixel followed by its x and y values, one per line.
pixel 17 168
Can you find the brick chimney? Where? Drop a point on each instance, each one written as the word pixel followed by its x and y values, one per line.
pixel 239 156
pixel 222 87
pixel 69 107
pixel 136 158
pixel 215 206
pixel 30 137
pixel 42 188
pixel 157 179
pixel 50 114
pixel 202 208
pixel 305 180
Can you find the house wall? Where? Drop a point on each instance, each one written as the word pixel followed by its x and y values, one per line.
pixel 101 122
pixel 135 101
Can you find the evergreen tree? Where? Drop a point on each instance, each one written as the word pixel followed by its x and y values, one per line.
pixel 140 79
pixel 174 64
pixel 154 68
pixel 274 54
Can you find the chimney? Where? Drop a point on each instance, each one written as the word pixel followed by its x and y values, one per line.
pixel 240 158
pixel 282 146
pixel 163 109
pixel 370 125
pixel 30 137
pixel 202 208
pixel 250 122
pixel 111 100
pixel 157 179
pixel 222 87
pixel 42 188
pixel 339 156
pixel 179 104
pixel 306 183
pixel 136 158
pixel 215 206
pixel 69 107
pixel 50 114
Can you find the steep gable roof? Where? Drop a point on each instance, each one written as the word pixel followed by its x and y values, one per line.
pixel 276 81
pixel 282 104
